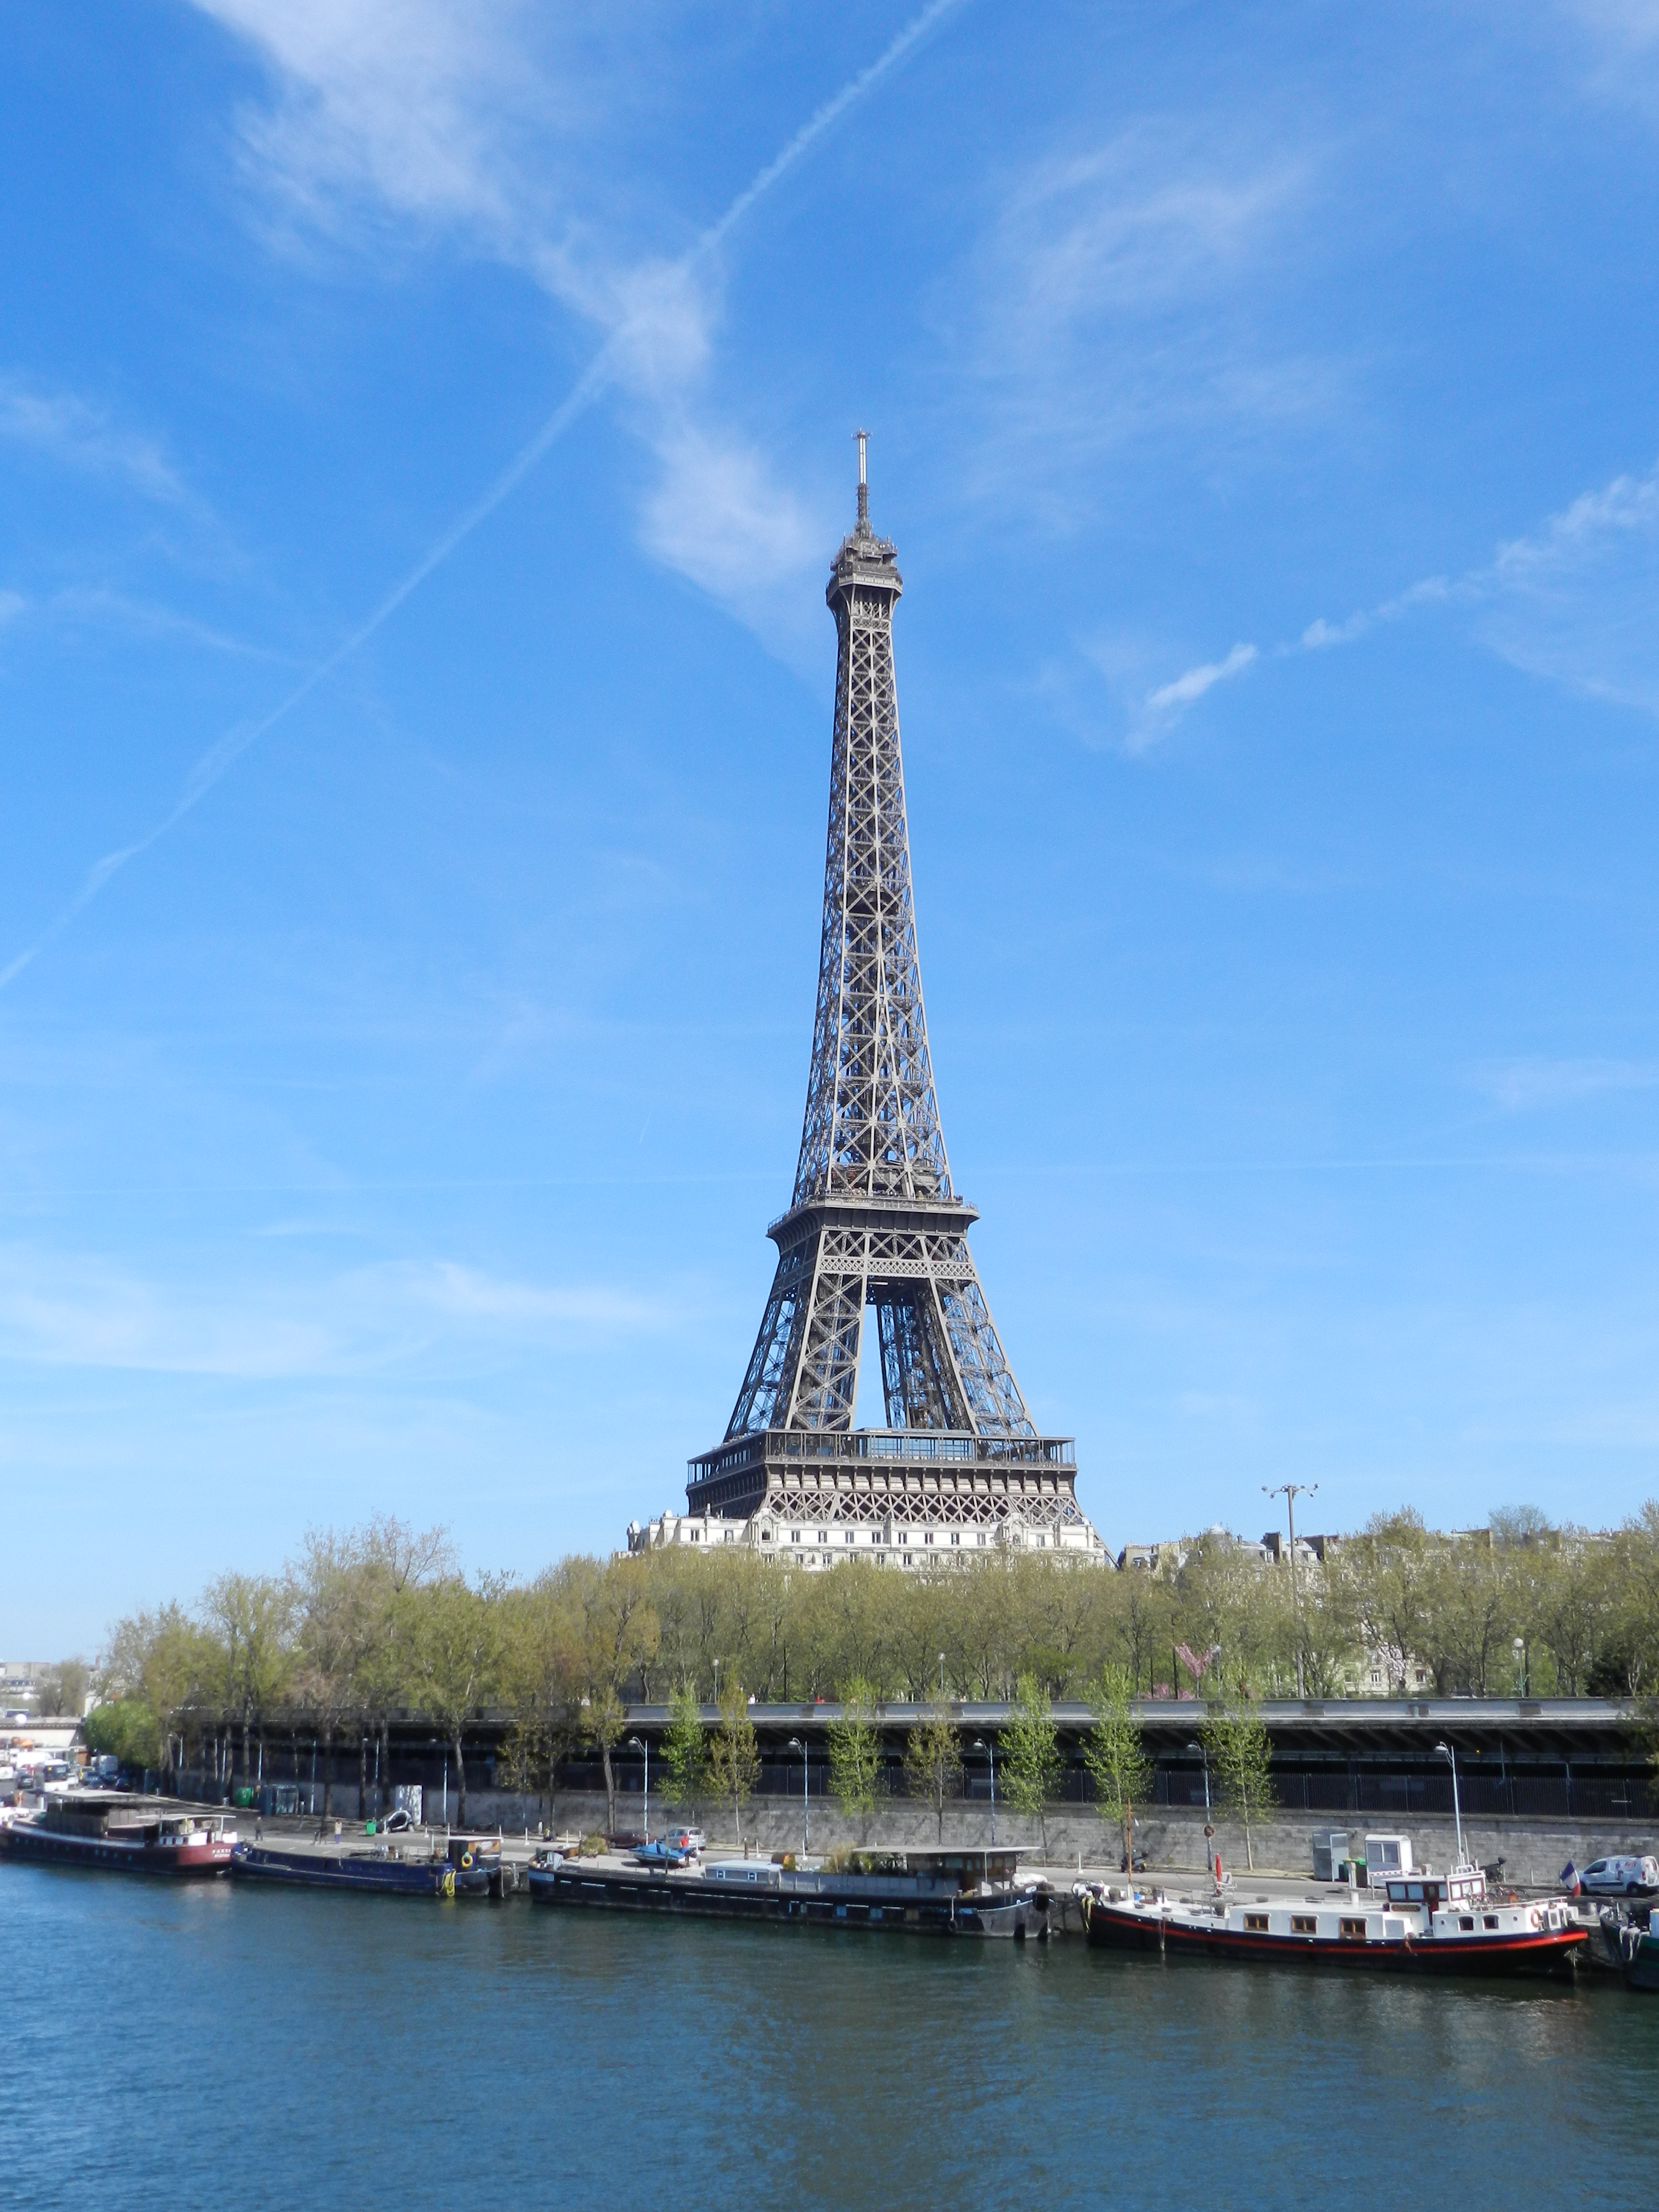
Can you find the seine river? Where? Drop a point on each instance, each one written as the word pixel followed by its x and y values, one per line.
pixel 197 2046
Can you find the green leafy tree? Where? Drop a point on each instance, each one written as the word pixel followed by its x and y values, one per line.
pixel 1240 1753
pixel 123 1728
pixel 932 1762
pixel 855 1750
pixel 733 1755
pixel 459 1637
pixel 685 1751
pixel 1114 1754
pixel 1029 1745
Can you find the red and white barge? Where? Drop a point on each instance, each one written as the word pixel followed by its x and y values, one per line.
pixel 1421 1923
pixel 134 1835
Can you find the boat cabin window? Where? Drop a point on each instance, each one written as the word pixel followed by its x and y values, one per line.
pixel 1466 1921
pixel 1256 1923
pixel 1304 1923
pixel 1351 1931
pixel 1491 1919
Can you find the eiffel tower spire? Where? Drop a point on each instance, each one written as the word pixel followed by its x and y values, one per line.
pixel 874 1222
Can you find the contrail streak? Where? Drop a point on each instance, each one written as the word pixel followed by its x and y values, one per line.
pixel 223 754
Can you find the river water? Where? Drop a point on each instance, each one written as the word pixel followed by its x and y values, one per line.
pixel 193 2046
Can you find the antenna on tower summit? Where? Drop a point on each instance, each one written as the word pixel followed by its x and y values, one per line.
pixel 863 437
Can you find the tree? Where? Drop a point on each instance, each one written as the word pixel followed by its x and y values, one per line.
pixel 458 1640
pixel 164 1660
pixel 932 1762
pixel 1029 1745
pixel 683 1755
pixel 1114 1754
pixel 394 1561
pixel 604 1716
pixel 62 1689
pixel 123 1728
pixel 1240 1753
pixel 251 1617
pixel 733 1758
pixel 855 1750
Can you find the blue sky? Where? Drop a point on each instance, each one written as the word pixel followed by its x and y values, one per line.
pixel 407 999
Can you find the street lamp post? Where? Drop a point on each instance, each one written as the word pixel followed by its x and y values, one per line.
pixel 1446 1751
pixel 637 1743
pixel 1290 1492
pixel 795 1744
pixel 990 1751
pixel 1519 1647
pixel 941 1674
pixel 1209 1824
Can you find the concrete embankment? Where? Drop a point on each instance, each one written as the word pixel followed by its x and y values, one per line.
pixel 1534 1851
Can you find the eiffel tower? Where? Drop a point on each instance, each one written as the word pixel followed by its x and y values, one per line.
pixel 875 1222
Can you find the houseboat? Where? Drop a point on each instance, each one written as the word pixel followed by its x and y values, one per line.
pixel 103 1828
pixel 1422 1923
pixel 924 1892
pixel 465 1866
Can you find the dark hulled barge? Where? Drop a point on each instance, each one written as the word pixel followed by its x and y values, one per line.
pixel 466 1866
pixel 921 1892
pixel 119 1833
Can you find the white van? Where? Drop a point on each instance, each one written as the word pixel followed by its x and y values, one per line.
pixel 1620 1877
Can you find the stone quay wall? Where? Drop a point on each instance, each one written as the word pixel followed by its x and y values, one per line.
pixel 1534 1851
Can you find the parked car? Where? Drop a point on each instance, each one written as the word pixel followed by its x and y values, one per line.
pixel 1620 1877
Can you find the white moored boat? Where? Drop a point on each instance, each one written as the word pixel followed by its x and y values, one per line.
pixel 1425 1924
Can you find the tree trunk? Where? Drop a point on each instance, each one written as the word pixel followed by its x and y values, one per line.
pixel 328 1771
pixel 362 1774
pixel 384 1784
pixel 460 1783
pixel 609 1791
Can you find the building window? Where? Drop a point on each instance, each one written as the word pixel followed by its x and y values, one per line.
pixel 981 1536
pixel 824 1535
pixel 927 1537
pixel 794 1535
pixel 850 1538
pixel 766 1535
pixel 956 1536
pixel 696 1535
pixel 1039 1543
pixel 909 1559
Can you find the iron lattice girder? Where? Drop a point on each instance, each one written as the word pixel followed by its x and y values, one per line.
pixel 873 1220
pixel 869 1478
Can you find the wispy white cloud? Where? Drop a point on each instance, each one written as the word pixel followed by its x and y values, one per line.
pixel 717 513
pixel 636 337
pixel 490 121
pixel 1118 288
pixel 72 432
pixel 75 1311
pixel 1522 1086
pixel 1576 602
pixel 1196 682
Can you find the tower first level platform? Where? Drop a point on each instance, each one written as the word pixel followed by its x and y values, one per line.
pixel 900 1498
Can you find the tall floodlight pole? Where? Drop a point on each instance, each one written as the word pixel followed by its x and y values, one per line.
pixel 1290 1492
pixel 795 1744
